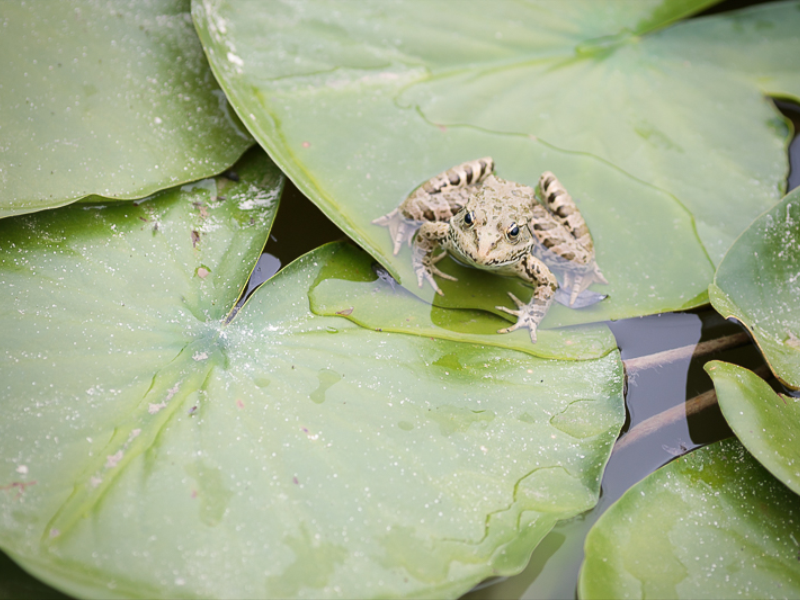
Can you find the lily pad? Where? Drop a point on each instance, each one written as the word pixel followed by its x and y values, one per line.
pixel 153 446
pixel 107 99
pixel 758 283
pixel 711 524
pixel 767 423
pixel 331 99
pixel 357 288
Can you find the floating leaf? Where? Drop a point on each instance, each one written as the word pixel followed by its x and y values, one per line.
pixel 107 99
pixel 711 524
pixel 671 108
pixel 339 98
pixel 758 283
pixel 767 423
pixel 358 289
pixel 153 447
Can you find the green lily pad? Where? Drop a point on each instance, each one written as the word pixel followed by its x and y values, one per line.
pixel 766 44
pixel 758 283
pixel 767 423
pixel 711 524
pixel 152 446
pixel 684 121
pixel 353 288
pixel 109 100
pixel 330 98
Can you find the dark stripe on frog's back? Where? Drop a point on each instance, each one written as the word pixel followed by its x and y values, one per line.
pixel 442 196
pixel 467 173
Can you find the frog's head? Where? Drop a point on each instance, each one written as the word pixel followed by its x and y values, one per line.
pixel 491 230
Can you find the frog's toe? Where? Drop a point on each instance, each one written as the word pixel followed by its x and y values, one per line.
pixel 598 276
pixel 521 323
pixel 517 301
pixel 401 229
pixel 424 275
pixel 430 265
pixel 510 328
pixel 578 282
pixel 442 274
pixel 507 311
pixel 585 298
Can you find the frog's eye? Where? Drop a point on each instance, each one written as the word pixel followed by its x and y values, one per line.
pixel 513 231
pixel 469 218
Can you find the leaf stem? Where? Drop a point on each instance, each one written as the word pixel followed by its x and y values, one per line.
pixel 633 365
pixel 672 415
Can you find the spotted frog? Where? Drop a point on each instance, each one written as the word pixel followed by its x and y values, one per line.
pixel 501 226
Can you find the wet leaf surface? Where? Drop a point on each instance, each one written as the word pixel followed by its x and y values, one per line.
pixel 711 524
pixel 114 100
pixel 281 453
pixel 767 423
pixel 362 103
pixel 758 283
pixel 357 289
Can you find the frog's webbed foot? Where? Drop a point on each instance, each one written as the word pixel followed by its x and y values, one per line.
pixel 425 268
pixel 584 299
pixel 429 237
pixel 578 281
pixel 401 229
pixel 526 317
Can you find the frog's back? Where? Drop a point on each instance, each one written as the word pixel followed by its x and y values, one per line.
pixel 508 199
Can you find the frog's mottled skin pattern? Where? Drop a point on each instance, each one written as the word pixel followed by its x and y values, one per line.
pixel 497 225
pixel 438 199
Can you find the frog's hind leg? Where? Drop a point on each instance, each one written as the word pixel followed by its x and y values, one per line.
pixel 579 280
pixel 578 248
pixel 436 200
pixel 561 205
pixel 534 271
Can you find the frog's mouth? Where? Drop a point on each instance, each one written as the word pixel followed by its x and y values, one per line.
pixel 492 264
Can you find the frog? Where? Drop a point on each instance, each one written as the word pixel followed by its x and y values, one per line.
pixel 511 229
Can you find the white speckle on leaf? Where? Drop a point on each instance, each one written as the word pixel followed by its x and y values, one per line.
pixel 113 459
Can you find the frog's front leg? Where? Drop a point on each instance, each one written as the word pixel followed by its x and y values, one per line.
pixel 429 237
pixel 535 272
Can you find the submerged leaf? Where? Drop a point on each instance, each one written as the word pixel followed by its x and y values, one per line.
pixel 767 423
pixel 711 524
pixel 758 283
pixel 345 99
pixel 107 99
pixel 152 447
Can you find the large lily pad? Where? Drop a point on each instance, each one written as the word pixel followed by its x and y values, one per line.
pixel 153 447
pixel 106 99
pixel 349 288
pixel 333 97
pixel 767 423
pixel 758 283
pixel 712 524
pixel 685 122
